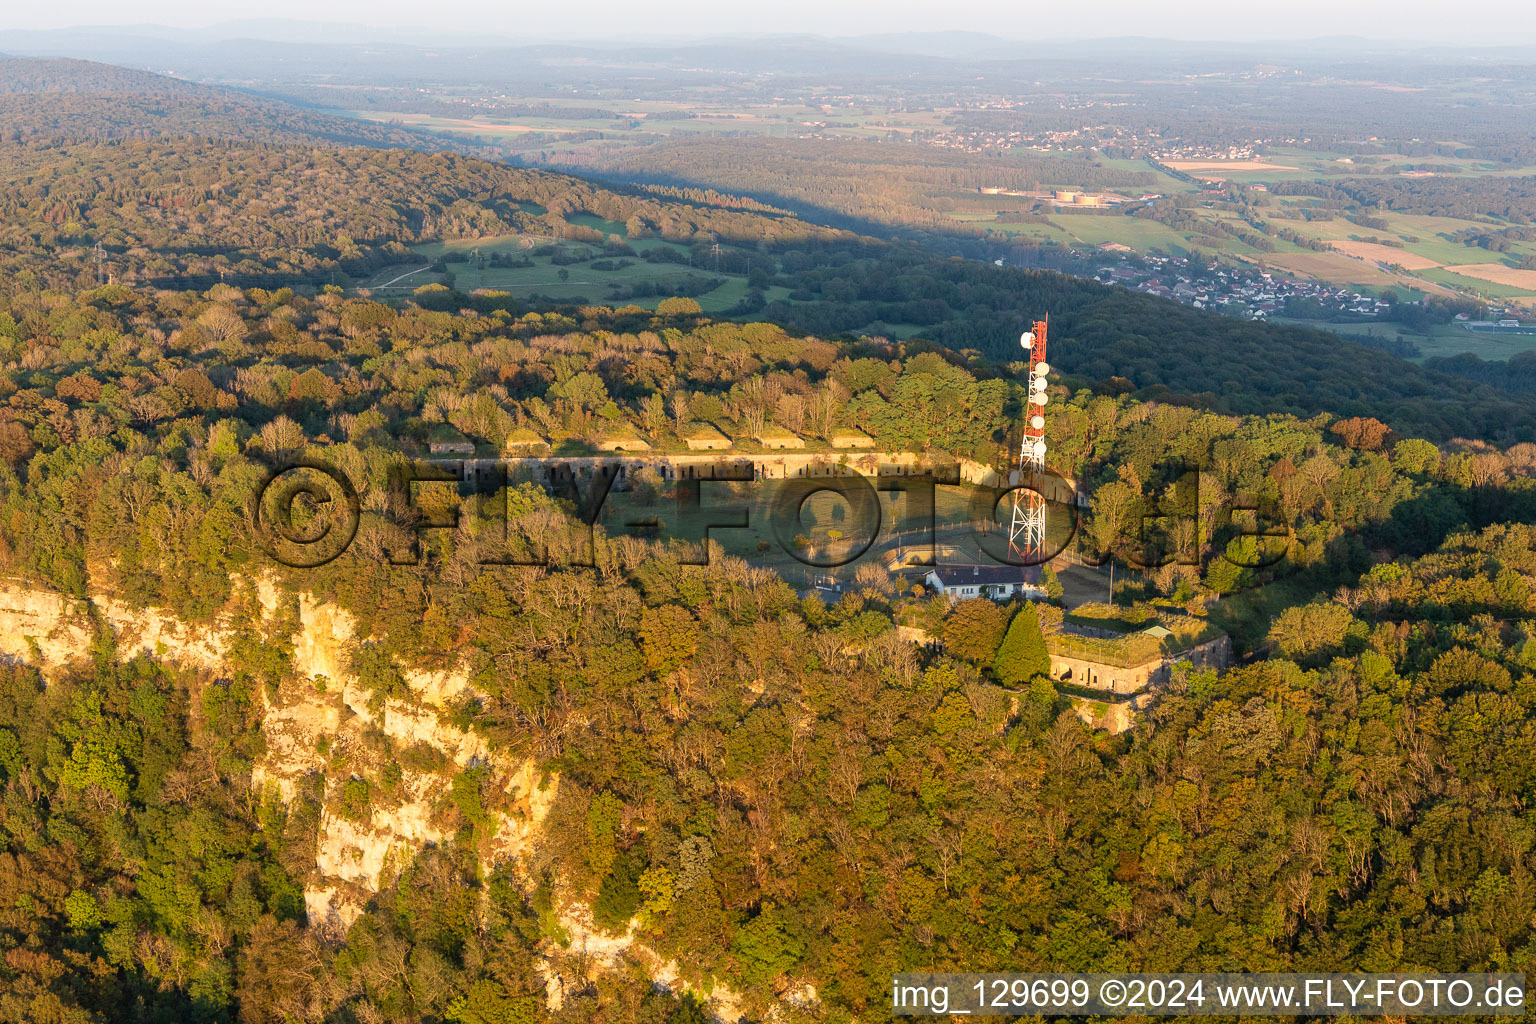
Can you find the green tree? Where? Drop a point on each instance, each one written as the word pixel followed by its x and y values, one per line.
pixel 1416 455
pixel 1022 655
pixel 766 946
pixel 1311 632
pixel 619 895
pixel 1052 584
pixel 603 817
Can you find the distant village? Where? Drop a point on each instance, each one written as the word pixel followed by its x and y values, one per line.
pixel 1088 138
pixel 1260 294
pixel 1250 294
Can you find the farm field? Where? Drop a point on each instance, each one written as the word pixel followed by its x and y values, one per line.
pixel 1427 242
pixel 1165 184
pixel 1440 340
pixel 1386 254
pixel 1337 230
pixel 1234 166
pixel 1141 235
pixel 1389 165
pixel 1451 340
pixel 1449 276
pixel 637 121
pixel 1498 273
pixel 1329 266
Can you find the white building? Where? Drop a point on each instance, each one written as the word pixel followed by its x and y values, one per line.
pixel 999 582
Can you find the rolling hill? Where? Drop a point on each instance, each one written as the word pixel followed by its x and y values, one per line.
pixel 81 99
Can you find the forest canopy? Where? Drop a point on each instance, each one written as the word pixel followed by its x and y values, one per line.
pixel 622 787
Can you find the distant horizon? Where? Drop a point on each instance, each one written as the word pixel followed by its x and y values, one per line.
pixel 1478 24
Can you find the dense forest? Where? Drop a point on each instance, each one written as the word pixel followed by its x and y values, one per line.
pixel 169 214
pixel 1468 196
pixel 785 797
pixel 645 790
pixel 77 99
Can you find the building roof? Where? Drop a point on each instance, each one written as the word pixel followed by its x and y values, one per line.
pixel 523 437
pixel 620 436
pixel 850 437
pixel 985 575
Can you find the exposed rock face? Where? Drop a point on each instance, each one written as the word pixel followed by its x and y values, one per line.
pixel 1112 716
pixel 40 626
pixel 61 630
pixel 323 709
pixel 147 631
pixel 355 858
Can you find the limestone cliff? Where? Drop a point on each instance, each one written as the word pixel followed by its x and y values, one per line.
pixel 324 730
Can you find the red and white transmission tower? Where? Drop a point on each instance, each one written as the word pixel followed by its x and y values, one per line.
pixel 1026 534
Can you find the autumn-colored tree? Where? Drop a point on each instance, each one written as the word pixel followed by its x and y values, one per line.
pixel 668 636
pixel 678 307
pixel 15 443
pixel 974 629
pixel 1364 432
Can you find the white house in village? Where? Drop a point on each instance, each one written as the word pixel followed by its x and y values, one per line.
pixel 999 582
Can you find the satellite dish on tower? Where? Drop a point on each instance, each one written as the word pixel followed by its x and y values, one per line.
pixel 1042 368
pixel 1027 339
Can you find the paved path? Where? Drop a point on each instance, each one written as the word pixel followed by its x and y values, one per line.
pixel 1080 584
pixel 403 276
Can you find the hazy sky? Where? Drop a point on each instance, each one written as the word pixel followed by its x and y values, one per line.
pixel 1493 22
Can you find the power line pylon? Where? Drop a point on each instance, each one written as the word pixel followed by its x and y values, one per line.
pixel 1026 531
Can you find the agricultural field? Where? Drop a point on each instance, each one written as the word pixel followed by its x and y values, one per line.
pixel 1078 230
pixel 1439 340
pixel 1498 273
pixel 1379 253
pixel 1453 339
pixel 1165 184
pixel 1428 238
pixel 1331 266
pixel 1208 169
pixel 643 121
pixel 1459 279
pixel 540 131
